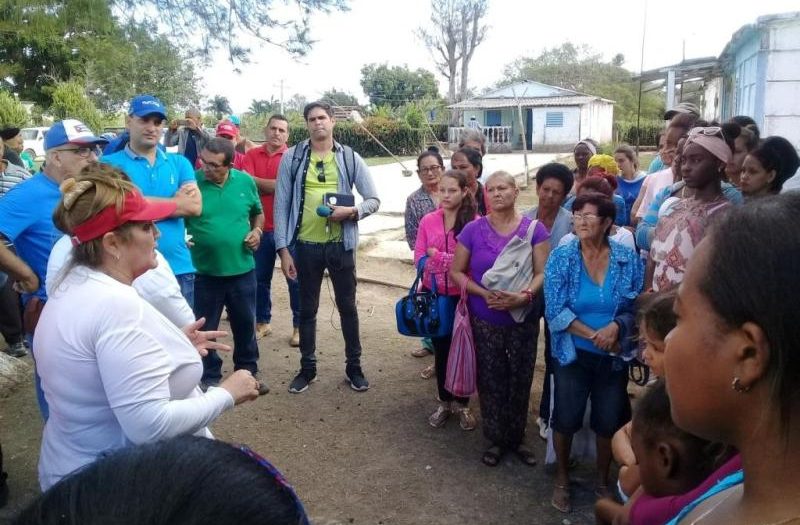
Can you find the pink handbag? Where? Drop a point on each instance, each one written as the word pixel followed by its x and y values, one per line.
pixel 461 376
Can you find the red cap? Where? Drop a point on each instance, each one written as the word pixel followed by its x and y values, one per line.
pixel 135 208
pixel 226 128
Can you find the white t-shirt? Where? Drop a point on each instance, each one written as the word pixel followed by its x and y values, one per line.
pixel 114 372
pixel 622 236
pixel 657 182
pixel 157 286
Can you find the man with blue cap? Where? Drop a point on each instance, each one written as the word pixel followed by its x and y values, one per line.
pixel 26 216
pixel 162 175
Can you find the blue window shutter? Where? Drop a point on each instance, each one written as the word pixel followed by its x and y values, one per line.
pixel 554 119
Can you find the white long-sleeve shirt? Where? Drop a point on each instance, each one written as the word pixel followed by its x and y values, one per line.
pixel 157 286
pixel 115 372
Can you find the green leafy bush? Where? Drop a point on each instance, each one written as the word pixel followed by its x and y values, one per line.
pixel 626 132
pixel 12 112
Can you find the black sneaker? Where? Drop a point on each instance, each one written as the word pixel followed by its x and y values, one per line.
pixel 263 387
pixel 302 380
pixel 356 379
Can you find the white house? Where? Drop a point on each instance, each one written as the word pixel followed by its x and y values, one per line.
pixel 761 76
pixel 552 118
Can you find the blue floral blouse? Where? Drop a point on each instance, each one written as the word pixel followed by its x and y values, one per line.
pixel 562 277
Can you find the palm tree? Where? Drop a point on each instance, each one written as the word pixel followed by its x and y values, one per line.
pixel 219 106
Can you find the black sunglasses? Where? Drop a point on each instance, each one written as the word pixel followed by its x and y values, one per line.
pixel 320 171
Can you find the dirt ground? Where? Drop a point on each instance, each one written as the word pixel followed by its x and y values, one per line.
pixel 361 458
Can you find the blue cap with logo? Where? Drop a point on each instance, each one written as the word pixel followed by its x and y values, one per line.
pixel 70 131
pixel 143 105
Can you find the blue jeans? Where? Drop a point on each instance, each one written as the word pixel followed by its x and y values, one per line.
pixel 590 376
pixel 265 265
pixel 44 408
pixel 311 261
pixel 186 282
pixel 237 294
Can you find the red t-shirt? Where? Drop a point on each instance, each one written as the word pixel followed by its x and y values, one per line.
pixel 258 162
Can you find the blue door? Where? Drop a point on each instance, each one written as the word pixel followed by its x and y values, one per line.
pixel 492 117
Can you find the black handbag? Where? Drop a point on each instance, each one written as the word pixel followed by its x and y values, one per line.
pixel 425 313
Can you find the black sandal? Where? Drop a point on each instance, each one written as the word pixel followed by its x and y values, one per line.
pixel 492 456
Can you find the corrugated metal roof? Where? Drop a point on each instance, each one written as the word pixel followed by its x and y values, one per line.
pixel 495 103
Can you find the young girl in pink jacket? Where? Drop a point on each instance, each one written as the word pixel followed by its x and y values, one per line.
pixel 436 238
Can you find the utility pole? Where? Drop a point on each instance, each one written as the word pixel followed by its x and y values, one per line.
pixel 282 111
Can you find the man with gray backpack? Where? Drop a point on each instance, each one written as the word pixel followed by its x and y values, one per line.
pixel 315 211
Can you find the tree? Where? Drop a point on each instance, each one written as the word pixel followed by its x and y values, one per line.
pixel 457 31
pixel 12 112
pixel 219 106
pixel 225 23
pixel 43 42
pixel 580 69
pixel 340 98
pixel 264 107
pixel 70 101
pixel 397 85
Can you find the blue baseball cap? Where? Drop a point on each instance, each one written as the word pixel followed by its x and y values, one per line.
pixel 70 131
pixel 233 119
pixel 143 105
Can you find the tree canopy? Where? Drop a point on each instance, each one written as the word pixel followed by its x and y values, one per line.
pixel 340 98
pixel 211 24
pixel 43 43
pixel 581 69
pixel 397 85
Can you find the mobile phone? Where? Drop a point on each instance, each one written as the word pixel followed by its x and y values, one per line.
pixel 183 122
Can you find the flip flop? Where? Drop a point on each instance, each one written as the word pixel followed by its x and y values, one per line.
pixel 492 456
pixel 560 499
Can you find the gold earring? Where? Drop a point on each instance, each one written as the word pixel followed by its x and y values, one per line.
pixel 736 384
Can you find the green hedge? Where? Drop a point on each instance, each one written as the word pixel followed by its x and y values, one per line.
pixel 626 132
pixel 398 137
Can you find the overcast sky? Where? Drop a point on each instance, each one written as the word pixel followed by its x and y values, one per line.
pixel 384 31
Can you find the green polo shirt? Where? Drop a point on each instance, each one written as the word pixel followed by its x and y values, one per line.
pixel 218 233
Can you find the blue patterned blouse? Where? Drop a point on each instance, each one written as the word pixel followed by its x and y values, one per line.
pixel 562 277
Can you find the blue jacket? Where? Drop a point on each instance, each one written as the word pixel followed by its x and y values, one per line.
pixel 290 191
pixel 562 276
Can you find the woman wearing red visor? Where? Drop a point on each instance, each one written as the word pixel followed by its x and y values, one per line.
pixel 114 371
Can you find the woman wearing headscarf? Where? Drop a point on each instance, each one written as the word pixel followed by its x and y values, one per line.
pixel 590 287
pixel 705 155
pixel 581 154
pixel 731 364
pixel 115 371
pixel 505 346
pixel 767 167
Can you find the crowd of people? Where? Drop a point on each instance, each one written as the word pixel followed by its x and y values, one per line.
pixel 122 259
pixel 617 252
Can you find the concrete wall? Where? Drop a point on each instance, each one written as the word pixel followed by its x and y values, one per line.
pixel 712 100
pixel 781 108
pixel 597 119
pixel 565 134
